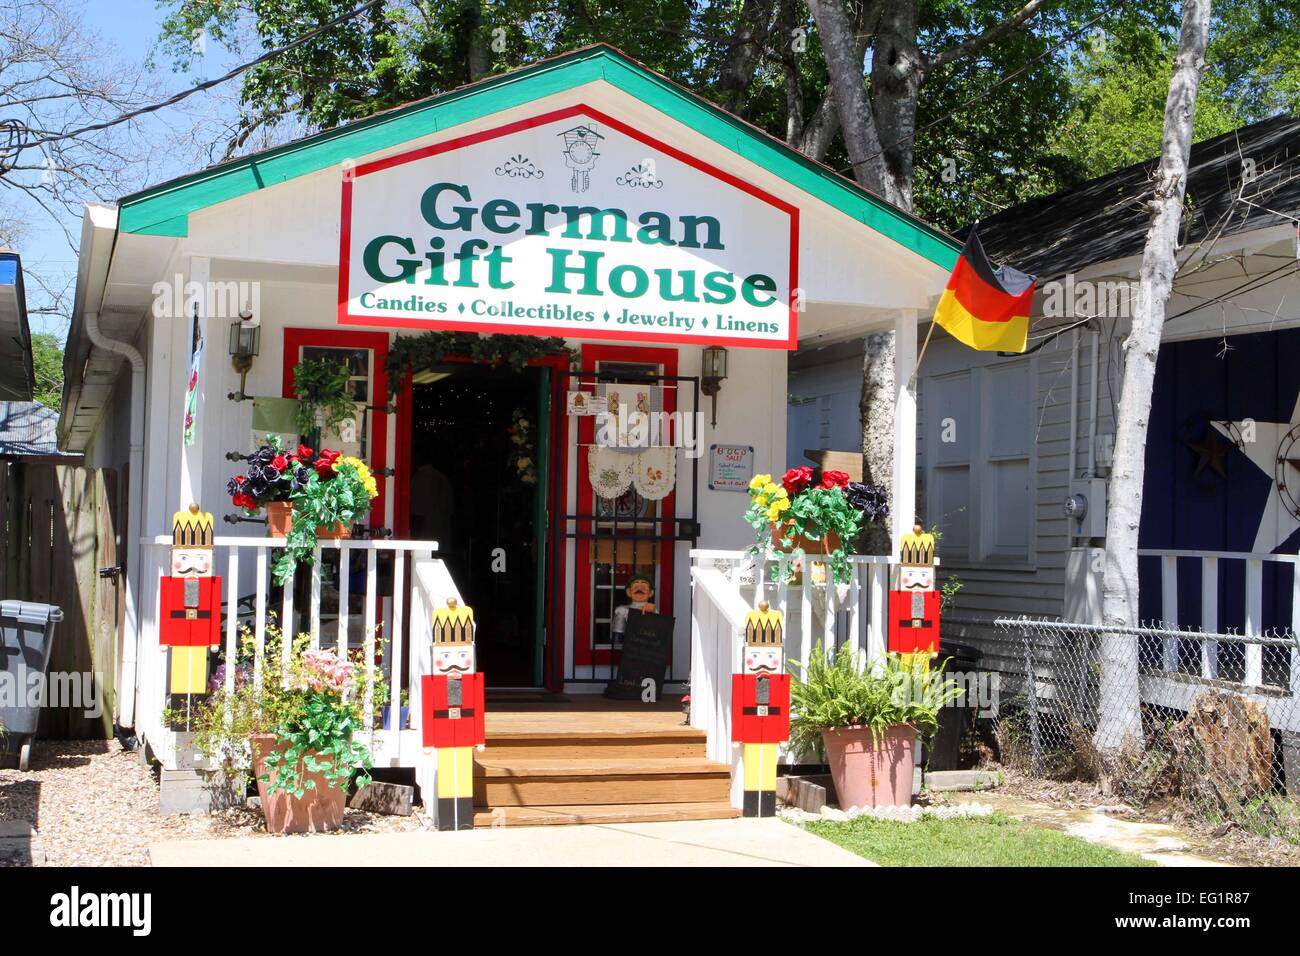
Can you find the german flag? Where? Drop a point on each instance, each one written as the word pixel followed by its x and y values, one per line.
pixel 983 307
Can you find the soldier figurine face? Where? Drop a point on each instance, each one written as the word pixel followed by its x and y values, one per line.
pixel 916 579
pixel 453 659
pixel 763 660
pixel 191 562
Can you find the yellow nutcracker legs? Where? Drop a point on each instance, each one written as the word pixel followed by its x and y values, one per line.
pixel 759 764
pixel 187 683
pixel 455 788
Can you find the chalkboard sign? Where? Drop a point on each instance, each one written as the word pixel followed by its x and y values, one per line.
pixel 647 650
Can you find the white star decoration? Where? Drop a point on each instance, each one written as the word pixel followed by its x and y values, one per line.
pixel 1277 523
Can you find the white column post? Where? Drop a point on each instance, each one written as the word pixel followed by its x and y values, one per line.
pixel 903 507
pixel 191 487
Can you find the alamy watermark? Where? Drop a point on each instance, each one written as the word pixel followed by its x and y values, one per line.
pixel 175 298
pixel 70 690
pixel 1070 297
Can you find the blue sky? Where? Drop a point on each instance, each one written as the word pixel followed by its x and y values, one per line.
pixel 127 31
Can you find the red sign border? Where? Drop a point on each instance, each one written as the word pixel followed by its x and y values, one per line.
pixel 347 318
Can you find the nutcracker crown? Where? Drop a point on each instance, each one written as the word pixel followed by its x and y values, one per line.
pixel 918 548
pixel 192 528
pixel 453 624
pixel 763 627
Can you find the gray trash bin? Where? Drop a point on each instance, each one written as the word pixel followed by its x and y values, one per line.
pixel 26 638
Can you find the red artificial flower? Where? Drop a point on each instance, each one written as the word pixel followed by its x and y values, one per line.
pixel 243 501
pixel 304 453
pixel 280 462
pixel 796 480
pixel 835 479
pixel 325 463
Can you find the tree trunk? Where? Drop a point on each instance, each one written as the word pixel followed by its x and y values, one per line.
pixel 1120 717
pixel 878 428
pixel 897 71
pixel 844 63
pixel 744 55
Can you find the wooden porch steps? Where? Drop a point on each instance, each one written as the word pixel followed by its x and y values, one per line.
pixel 596 766
pixel 603 814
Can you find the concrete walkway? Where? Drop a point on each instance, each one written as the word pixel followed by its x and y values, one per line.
pixel 766 842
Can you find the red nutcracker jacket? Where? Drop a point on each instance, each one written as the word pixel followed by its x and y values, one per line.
pixel 760 708
pixel 910 632
pixel 192 620
pixel 452 710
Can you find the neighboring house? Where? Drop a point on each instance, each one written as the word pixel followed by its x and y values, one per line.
pixel 17 379
pixel 613 247
pixel 1005 442
pixel 55 526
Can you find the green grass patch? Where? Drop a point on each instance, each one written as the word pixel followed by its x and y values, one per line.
pixel 996 840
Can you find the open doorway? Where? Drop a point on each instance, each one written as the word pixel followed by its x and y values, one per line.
pixel 479 465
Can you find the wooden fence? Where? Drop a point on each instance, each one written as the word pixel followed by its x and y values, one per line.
pixel 57 530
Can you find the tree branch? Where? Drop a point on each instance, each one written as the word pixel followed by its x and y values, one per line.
pixel 991 35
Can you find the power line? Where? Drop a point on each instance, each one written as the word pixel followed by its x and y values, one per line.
pixel 206 85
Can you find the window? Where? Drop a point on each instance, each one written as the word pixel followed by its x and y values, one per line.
pixel 980 452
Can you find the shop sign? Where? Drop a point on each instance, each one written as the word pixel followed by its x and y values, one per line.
pixel 570 224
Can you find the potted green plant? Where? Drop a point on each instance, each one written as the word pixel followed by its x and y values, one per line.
pixel 864 718
pixel 336 494
pixel 805 515
pixel 294 726
pixel 324 401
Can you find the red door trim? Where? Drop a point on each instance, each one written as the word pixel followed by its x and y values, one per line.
pixel 377 342
pixel 666 358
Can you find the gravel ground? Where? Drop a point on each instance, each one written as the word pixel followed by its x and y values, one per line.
pixel 94 804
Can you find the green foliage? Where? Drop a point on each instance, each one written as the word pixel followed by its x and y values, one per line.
pixel 996 840
pixel 324 503
pixel 428 349
pixel 47 363
pixel 813 512
pixel 322 387
pixel 850 691
pixel 314 721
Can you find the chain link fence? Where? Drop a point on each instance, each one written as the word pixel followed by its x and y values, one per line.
pixel 1156 715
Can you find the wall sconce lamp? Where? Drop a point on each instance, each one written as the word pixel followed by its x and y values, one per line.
pixel 245 343
pixel 713 372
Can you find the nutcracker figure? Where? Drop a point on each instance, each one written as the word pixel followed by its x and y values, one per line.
pixel 914 605
pixel 760 709
pixel 452 710
pixel 190 621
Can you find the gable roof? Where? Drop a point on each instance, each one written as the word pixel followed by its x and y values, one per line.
pixel 1107 218
pixel 17 377
pixel 163 210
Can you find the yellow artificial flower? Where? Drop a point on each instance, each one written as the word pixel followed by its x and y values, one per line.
pixel 759 481
pixel 781 504
pixel 770 488
pixel 773 513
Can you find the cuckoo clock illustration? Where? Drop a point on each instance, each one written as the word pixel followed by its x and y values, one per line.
pixel 190 620
pixel 453 715
pixel 914 604
pixel 760 709
pixel 580 154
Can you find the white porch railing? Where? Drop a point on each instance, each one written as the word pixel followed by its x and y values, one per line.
pixel 377 631
pixel 726 585
pixel 1211 570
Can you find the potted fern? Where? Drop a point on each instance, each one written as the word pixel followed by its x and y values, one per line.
pixel 324 402
pixel 864 718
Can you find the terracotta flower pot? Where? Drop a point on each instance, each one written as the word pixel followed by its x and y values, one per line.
pixel 317 810
pixel 340 530
pixel 828 543
pixel 868 773
pixel 279 518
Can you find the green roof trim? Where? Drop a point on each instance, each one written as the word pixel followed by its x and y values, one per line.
pixel 163 210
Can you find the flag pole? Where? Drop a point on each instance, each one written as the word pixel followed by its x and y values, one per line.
pixel 921 354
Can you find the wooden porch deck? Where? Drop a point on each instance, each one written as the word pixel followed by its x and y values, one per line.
pixel 588 759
